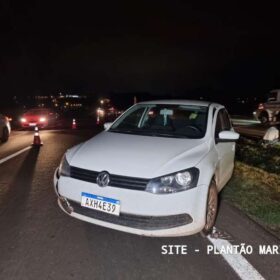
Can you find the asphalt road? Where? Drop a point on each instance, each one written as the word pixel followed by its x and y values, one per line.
pixel 38 241
pixel 247 126
pixel 251 130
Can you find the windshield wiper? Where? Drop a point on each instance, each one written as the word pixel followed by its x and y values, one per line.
pixel 149 133
pixel 120 130
pixel 170 135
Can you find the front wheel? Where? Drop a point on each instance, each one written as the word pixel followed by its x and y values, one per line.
pixel 5 135
pixel 212 208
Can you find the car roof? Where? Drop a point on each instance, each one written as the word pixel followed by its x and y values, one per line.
pixel 181 102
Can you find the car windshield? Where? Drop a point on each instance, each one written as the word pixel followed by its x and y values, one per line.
pixel 37 111
pixel 272 96
pixel 176 121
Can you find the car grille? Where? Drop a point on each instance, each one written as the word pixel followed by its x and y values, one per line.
pixel 135 221
pixel 115 180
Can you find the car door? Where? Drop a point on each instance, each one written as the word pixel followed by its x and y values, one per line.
pixel 225 150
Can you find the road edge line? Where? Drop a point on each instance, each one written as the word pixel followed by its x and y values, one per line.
pixel 14 155
pixel 237 262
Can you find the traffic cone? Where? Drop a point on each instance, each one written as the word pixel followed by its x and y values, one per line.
pixel 74 124
pixel 37 140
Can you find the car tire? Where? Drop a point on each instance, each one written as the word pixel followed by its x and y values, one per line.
pixel 263 118
pixel 5 135
pixel 211 208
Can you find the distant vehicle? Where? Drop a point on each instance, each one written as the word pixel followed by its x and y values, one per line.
pixel 5 128
pixel 270 110
pixel 38 117
pixel 106 112
pixel 155 171
pixel 107 115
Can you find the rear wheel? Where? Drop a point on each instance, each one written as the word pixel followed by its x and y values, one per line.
pixel 212 208
pixel 5 135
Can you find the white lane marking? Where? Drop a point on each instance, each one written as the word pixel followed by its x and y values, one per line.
pixel 14 155
pixel 237 262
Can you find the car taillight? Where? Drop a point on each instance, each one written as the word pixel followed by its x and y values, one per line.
pixel 261 107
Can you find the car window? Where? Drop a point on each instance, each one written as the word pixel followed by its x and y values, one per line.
pixel 219 124
pixel 222 123
pixel 37 111
pixel 132 120
pixel 164 120
pixel 272 96
pixel 226 120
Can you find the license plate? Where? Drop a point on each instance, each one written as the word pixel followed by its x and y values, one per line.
pixel 100 203
pixel 32 124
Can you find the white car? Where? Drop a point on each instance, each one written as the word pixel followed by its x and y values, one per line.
pixel 155 171
pixel 5 128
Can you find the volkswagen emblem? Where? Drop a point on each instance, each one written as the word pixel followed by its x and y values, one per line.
pixel 103 179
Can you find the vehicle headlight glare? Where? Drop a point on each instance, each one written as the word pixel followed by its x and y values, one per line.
pixel 183 178
pixel 172 183
pixel 64 167
pixel 23 119
pixel 42 119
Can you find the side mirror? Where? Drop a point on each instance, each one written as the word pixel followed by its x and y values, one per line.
pixel 107 125
pixel 227 136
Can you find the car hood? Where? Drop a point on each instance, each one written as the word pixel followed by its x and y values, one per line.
pixel 137 156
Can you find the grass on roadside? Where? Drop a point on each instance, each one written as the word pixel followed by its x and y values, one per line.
pixel 266 157
pixel 257 193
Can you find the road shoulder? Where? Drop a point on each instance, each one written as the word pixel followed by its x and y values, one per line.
pixel 242 229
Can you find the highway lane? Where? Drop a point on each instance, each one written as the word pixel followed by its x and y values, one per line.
pixel 37 240
pixel 247 126
pixel 17 141
pixel 252 130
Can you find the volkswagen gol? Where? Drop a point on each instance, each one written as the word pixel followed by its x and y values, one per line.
pixel 155 171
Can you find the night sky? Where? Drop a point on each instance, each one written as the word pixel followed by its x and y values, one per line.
pixel 160 47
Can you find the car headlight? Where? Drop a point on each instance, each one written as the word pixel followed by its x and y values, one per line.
pixel 64 167
pixel 23 119
pixel 42 119
pixel 176 182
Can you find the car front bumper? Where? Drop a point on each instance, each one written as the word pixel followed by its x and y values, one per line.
pixel 32 125
pixel 142 213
